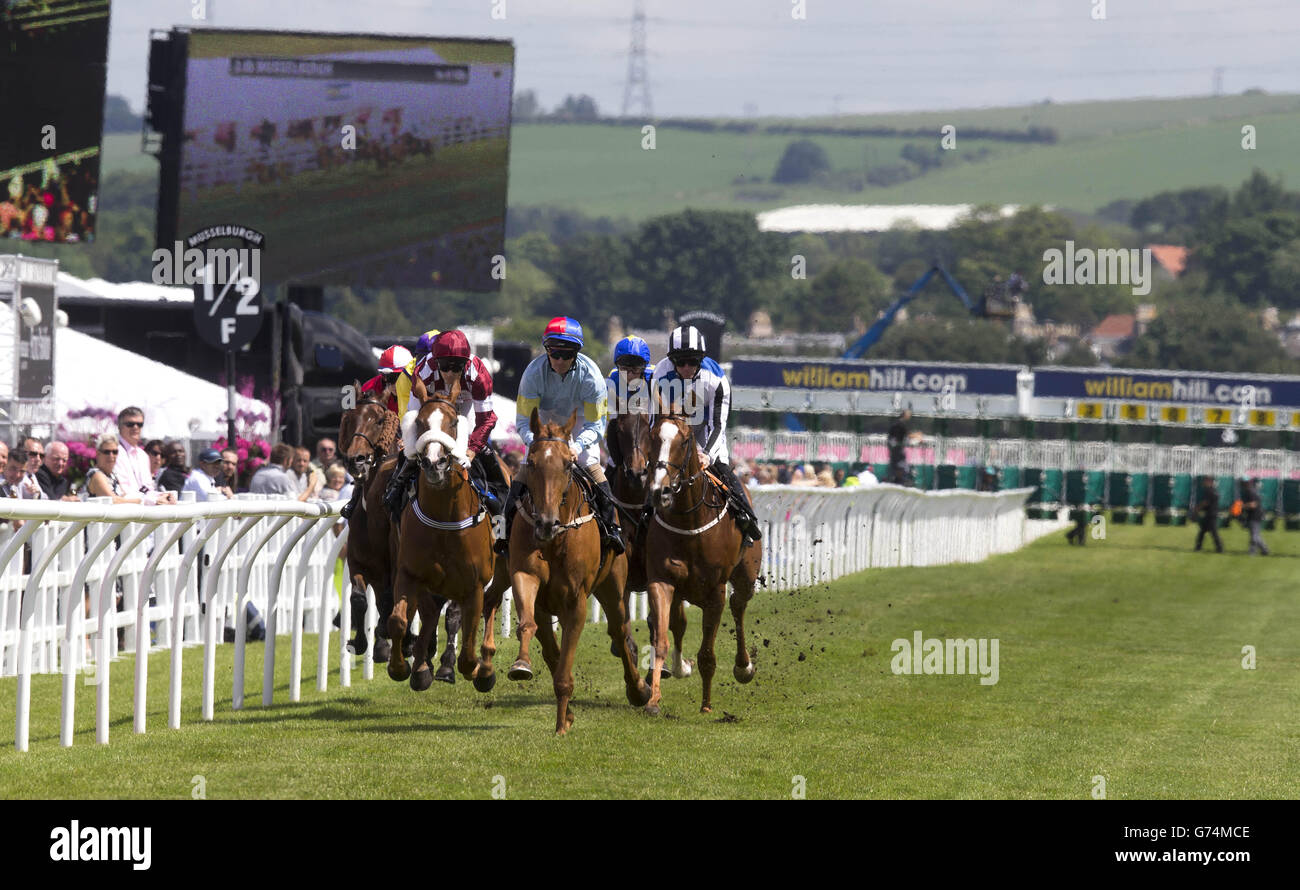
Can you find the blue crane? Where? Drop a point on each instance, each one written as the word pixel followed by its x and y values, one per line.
pixel 980 309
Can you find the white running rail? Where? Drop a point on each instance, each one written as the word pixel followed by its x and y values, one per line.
pixel 96 571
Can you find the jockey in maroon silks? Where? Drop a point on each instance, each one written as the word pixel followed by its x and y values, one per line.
pixel 450 360
pixel 392 363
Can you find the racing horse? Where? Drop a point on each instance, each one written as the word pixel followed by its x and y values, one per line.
pixel 557 561
pixel 693 548
pixel 368 433
pixel 628 433
pixel 444 548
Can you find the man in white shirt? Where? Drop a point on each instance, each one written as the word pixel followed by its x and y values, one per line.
pixel 133 468
pixel 202 481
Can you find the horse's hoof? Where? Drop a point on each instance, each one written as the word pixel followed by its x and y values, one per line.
pixel 421 679
pixel 744 674
pixel 399 671
pixel 638 695
pixel 520 670
pixel 705 709
pixel 485 682
pixel 445 675
pixel 383 648
pixel 652 710
pixel 357 646
pixel 685 667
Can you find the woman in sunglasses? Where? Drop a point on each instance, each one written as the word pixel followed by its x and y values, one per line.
pixel 102 480
pixel 557 384
pixel 449 359
pixel 689 377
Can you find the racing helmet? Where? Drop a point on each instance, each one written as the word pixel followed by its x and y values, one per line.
pixel 394 359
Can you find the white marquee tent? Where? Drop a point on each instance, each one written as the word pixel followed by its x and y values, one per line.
pixel 90 373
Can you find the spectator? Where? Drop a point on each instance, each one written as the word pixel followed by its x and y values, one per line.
pixel 157 451
pixel 988 479
pixel 1207 514
pixel 825 479
pixel 839 477
pixel 275 478
pixel 133 469
pixel 229 469
pixel 14 474
pixel 867 476
pixel 32 457
pixel 175 473
pixel 103 482
pixel 326 454
pixel 307 479
pixel 783 475
pixel 52 476
pixel 900 473
pixel 203 480
pixel 1252 514
pixel 337 486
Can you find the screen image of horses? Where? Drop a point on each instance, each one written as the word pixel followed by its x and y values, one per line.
pixel 364 160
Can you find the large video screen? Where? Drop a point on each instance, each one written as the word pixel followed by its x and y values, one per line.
pixel 365 160
pixel 53 56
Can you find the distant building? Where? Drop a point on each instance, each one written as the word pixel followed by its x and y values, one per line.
pixel 1171 260
pixel 1114 336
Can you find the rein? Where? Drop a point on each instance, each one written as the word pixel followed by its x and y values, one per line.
pixel 451 525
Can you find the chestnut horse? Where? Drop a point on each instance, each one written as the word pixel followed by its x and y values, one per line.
pixel 556 562
pixel 693 548
pixel 444 548
pixel 629 432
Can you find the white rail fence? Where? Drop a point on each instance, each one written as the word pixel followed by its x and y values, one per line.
pixel 82 583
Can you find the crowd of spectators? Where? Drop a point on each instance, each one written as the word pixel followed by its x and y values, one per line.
pixel 816 475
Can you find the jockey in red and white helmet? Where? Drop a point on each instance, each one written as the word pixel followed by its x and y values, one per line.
pixel 384 385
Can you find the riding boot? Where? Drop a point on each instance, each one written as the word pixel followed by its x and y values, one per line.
pixel 502 545
pixel 745 517
pixel 395 494
pixel 358 490
pixel 609 518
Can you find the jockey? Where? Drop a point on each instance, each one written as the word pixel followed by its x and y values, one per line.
pixel 382 386
pixel 629 385
pixel 556 384
pixel 449 359
pixel 404 381
pixel 391 366
pixel 706 395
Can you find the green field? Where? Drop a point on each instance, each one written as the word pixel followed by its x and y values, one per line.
pixel 1109 151
pixel 1122 659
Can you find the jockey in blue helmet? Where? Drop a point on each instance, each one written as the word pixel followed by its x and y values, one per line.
pixel 557 383
pixel 629 384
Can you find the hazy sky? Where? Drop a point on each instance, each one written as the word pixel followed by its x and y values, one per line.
pixel 716 57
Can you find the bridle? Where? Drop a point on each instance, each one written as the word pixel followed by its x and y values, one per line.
pixel 570 471
pixel 680 481
pixel 377 452
pixel 637 448
pixel 450 467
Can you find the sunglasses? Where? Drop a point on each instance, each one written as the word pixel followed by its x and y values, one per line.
pixel 686 362
pixel 454 364
pixel 155 454
pixel 113 452
pixel 632 366
pixel 136 424
pixel 564 355
pixel 36 454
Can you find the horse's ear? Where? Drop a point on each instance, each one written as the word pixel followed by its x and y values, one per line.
pixel 534 423
pixel 571 423
pixel 453 392
pixel 419 390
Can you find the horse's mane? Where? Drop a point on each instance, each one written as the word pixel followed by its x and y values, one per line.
pixel 388 432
